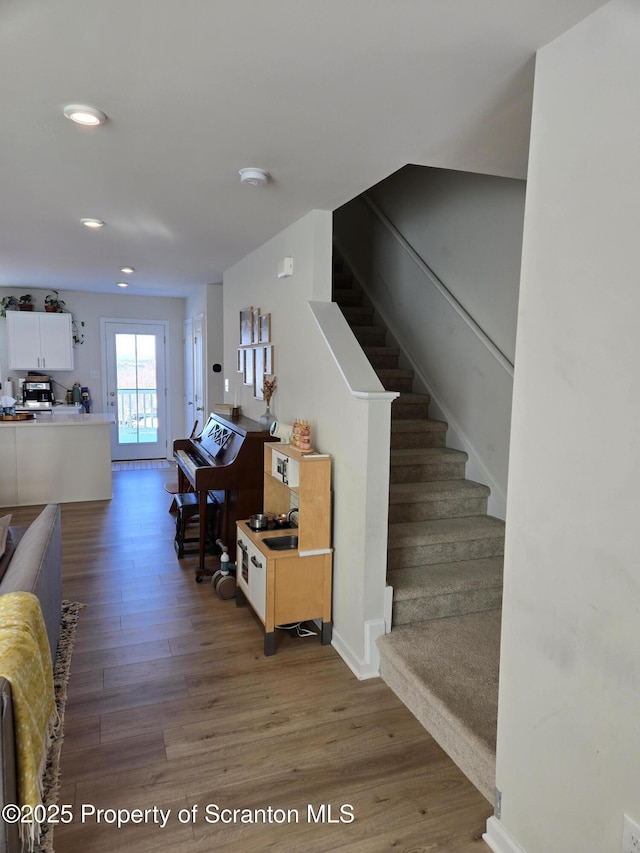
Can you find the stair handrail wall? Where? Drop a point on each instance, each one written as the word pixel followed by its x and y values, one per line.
pixel 481 430
pixel 497 353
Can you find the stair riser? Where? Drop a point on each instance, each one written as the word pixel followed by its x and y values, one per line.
pixel 427 472
pixel 445 552
pixel 370 337
pixel 357 316
pixel 383 362
pixel 404 384
pixel 441 606
pixel 429 510
pixel 412 410
pixel 348 297
pixel 417 440
pixel 342 280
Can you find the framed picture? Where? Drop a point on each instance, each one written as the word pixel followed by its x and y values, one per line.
pixel 259 373
pixel 246 327
pixel 265 328
pixel 248 367
pixel 255 321
pixel 241 353
pixel 268 360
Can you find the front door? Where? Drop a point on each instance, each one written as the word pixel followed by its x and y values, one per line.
pixel 134 370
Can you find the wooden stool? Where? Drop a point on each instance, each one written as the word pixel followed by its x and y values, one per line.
pixel 187 509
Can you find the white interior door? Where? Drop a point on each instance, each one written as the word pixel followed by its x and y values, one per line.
pixel 198 371
pixel 134 368
pixel 189 403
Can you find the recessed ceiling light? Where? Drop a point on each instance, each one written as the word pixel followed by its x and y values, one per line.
pixel 127 270
pixel 92 223
pixel 89 116
pixel 254 177
pixel 122 284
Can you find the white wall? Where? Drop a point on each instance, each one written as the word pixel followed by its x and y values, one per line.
pixel 311 386
pixel 568 732
pixel 90 307
pixel 468 229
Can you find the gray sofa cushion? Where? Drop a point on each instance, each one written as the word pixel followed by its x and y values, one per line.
pixel 9 548
pixel 36 567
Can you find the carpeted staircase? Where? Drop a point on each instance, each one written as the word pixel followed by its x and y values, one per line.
pixel 444 564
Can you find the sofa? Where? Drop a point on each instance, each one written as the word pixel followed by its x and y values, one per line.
pixel 32 562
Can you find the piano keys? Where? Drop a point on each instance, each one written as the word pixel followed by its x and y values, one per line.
pixel 226 461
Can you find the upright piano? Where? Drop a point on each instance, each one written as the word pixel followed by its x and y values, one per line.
pixel 225 461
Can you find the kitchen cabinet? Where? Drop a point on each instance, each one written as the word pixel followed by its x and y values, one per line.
pixel 292 584
pixel 39 340
pixel 57 457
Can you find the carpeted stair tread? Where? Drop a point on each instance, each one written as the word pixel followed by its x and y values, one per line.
pixel 434 490
pixel 406 425
pixel 417 455
pixel 371 352
pixel 346 296
pixel 409 433
pixel 370 335
pixel 415 533
pixel 444 540
pixel 445 578
pixel 446 589
pixel 357 315
pixel 396 379
pixel 446 672
pixel 423 464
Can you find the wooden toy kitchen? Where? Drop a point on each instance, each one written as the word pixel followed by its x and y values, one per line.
pixel 285 575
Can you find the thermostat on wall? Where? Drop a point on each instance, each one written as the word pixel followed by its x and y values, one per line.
pixel 285 268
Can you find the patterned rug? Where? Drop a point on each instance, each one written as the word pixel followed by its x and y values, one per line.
pixel 61 670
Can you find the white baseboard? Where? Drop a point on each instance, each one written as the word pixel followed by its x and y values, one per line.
pixel 499 839
pixel 369 666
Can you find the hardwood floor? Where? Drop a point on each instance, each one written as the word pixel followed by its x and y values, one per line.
pixel 172 706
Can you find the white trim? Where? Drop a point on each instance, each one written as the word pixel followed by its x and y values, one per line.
pixel 376 396
pixel 369 667
pixel 355 368
pixel 441 288
pixel 499 839
pixel 388 608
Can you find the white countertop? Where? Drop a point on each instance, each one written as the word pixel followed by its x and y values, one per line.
pixel 61 417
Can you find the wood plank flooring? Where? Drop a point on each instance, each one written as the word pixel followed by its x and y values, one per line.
pixel 172 706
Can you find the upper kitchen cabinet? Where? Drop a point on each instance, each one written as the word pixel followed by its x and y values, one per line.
pixel 39 341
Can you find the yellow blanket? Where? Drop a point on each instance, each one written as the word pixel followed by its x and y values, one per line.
pixel 25 661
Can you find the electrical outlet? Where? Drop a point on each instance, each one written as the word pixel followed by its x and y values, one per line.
pixel 630 836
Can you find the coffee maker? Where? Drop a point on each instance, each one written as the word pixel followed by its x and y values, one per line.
pixel 38 394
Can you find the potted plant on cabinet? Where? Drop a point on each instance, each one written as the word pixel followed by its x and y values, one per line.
pixel 25 303
pixel 7 303
pixel 52 303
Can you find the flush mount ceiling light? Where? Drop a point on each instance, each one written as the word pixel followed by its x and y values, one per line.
pixel 127 270
pixel 254 177
pixel 89 116
pixel 122 284
pixel 92 223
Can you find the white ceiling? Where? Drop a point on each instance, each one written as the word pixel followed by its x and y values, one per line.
pixel 329 96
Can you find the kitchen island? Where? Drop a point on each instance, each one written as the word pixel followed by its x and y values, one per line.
pixel 58 457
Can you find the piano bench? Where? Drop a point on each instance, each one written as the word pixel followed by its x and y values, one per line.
pixel 187 509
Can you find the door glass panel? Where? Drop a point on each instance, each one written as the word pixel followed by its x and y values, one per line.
pixel 136 379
